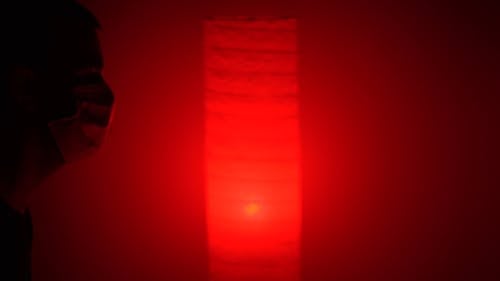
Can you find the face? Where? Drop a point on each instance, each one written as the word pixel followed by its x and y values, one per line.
pixel 61 112
pixel 80 108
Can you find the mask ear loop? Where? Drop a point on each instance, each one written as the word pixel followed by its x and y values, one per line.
pixel 66 120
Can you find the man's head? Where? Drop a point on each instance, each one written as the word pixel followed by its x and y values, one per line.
pixel 53 99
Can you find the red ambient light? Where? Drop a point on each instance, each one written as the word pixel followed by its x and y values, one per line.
pixel 252 148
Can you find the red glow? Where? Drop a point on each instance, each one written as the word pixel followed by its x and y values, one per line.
pixel 252 209
pixel 252 146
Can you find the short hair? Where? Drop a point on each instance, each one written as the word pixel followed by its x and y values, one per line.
pixel 28 27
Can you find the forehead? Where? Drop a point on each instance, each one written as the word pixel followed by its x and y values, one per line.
pixel 75 49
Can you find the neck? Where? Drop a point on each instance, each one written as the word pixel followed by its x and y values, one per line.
pixel 37 159
pixel 15 201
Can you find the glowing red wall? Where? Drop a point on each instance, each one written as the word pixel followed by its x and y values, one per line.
pixel 252 148
pixel 399 139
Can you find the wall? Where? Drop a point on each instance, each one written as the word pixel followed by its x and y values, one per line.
pixel 398 106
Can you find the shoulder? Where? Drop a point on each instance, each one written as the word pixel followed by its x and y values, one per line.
pixel 15 243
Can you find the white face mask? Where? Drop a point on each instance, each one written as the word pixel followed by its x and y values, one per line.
pixel 80 135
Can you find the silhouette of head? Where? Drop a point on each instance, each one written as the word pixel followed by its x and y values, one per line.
pixel 53 98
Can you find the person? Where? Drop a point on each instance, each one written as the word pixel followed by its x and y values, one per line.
pixel 55 108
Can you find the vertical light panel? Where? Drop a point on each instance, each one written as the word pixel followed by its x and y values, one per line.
pixel 252 147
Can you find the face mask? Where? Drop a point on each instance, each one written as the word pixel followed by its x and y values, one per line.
pixel 83 133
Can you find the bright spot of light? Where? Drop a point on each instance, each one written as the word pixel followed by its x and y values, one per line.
pixel 252 209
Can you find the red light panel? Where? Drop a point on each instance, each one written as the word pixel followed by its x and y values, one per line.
pixel 252 149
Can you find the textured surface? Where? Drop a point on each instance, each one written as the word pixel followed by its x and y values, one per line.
pixel 252 146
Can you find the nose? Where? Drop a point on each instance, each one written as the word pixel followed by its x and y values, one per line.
pixel 108 97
